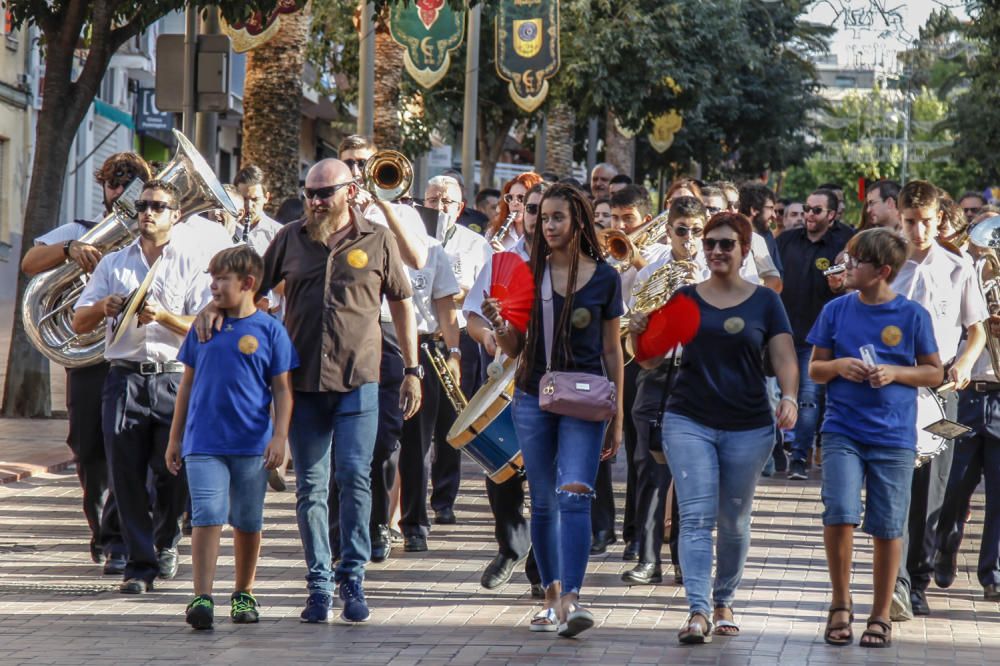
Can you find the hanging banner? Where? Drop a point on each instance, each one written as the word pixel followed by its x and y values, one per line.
pixel 664 128
pixel 428 30
pixel 527 48
pixel 259 29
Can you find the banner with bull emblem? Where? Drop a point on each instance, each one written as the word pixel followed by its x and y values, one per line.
pixel 428 30
pixel 259 29
pixel 527 48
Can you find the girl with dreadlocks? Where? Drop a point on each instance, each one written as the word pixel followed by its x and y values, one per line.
pixel 562 453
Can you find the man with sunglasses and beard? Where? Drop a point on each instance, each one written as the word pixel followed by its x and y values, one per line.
pixel 806 252
pixel 337 267
pixel 83 385
pixel 139 392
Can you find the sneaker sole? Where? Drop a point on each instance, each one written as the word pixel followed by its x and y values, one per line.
pixel 575 626
pixel 245 620
pixel 201 623
pixel 347 620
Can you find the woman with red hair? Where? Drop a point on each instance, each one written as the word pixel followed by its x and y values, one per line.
pixel 515 191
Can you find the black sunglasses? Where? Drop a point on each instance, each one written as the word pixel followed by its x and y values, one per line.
pixel 324 192
pixel 684 231
pixel 815 210
pixel 532 209
pixel 724 244
pixel 156 206
pixel 360 164
pixel 511 198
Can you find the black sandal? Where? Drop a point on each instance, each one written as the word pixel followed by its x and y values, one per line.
pixel 877 639
pixel 839 626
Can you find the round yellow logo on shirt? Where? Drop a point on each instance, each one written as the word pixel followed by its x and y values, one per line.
pixel 357 259
pixel 734 325
pixel 891 335
pixel 475 227
pixel 580 318
pixel 822 263
pixel 248 344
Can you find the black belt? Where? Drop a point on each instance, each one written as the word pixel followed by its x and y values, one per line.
pixel 984 387
pixel 149 367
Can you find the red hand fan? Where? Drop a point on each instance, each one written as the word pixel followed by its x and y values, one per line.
pixel 676 323
pixel 513 285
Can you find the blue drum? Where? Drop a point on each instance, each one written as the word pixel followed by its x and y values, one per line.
pixel 484 430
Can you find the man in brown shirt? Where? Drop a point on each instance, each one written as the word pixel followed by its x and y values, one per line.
pixel 336 267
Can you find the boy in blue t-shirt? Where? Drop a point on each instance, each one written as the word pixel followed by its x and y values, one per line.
pixel 869 432
pixel 223 431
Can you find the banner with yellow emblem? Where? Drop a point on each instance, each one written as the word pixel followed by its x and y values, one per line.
pixel 259 29
pixel 527 48
pixel 429 30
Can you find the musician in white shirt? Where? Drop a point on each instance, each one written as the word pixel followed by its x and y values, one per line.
pixel 944 284
pixel 142 384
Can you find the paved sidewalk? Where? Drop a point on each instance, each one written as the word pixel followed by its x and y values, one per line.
pixel 429 609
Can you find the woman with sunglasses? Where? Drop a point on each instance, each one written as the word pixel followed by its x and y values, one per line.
pixel 511 203
pixel 718 428
pixel 561 453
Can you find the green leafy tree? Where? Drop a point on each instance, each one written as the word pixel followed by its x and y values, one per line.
pixel 68 28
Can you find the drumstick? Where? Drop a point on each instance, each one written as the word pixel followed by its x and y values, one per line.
pixel 495 368
pixel 947 387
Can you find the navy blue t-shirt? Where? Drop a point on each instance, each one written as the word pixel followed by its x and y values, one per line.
pixel 721 381
pixel 229 411
pixel 596 302
pixel 900 330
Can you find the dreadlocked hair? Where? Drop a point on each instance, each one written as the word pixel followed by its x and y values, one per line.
pixel 584 241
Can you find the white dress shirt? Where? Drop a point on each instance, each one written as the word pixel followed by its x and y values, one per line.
pixel 70 231
pixel 435 280
pixel 199 235
pixel 468 253
pixel 761 259
pixel 945 284
pixel 262 233
pixel 474 301
pixel 181 286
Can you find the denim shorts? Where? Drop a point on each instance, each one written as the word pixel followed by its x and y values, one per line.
pixel 227 489
pixel 886 473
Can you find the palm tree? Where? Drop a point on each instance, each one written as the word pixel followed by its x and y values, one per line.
pixel 388 76
pixel 619 149
pixel 560 122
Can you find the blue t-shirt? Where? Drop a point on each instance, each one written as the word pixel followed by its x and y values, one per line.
pixel 229 410
pixel 596 302
pixel 900 330
pixel 721 381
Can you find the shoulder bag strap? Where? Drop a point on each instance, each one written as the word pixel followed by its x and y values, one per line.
pixel 547 324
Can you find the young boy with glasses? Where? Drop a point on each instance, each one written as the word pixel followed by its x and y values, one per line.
pixel 872 348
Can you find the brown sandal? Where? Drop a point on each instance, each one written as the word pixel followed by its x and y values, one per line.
pixel 877 639
pixel 839 626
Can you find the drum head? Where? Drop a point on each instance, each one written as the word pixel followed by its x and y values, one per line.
pixel 483 406
pixel 132 304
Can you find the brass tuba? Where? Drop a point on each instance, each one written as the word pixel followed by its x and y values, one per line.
pixel 47 307
pixel 986 235
pixel 387 175
pixel 654 293
pixel 624 249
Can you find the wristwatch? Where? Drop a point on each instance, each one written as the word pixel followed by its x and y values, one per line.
pixel 455 351
pixel 416 371
pixel 66 246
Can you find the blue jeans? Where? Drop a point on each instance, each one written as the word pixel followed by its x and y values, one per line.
pixel 812 400
pixel 712 468
pixel 558 451
pixel 343 424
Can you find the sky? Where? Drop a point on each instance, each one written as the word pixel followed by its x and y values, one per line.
pixel 871 32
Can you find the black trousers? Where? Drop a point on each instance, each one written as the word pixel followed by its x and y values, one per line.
pixel 651 486
pixel 137 411
pixel 977 456
pixel 446 467
pixel 927 494
pixel 511 528
pixel 602 515
pixel 86 439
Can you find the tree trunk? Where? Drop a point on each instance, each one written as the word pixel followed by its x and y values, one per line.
pixel 491 139
pixel 272 107
pixel 388 76
pixel 560 121
pixel 619 149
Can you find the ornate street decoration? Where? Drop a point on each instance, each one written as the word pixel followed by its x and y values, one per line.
pixel 527 49
pixel 259 29
pixel 665 126
pixel 428 30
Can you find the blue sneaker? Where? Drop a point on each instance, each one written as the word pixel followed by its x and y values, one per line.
pixel 319 608
pixel 355 608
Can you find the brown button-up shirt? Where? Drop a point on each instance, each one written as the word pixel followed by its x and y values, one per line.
pixel 333 299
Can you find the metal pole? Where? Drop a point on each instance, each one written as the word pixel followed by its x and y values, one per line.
pixel 190 63
pixel 366 73
pixel 591 143
pixel 906 138
pixel 541 150
pixel 206 127
pixel 469 129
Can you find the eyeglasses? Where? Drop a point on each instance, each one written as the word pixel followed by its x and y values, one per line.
pixel 532 209
pixel 724 244
pixel 324 192
pixel 142 205
pixel 972 211
pixel 511 198
pixel 815 210
pixel 684 231
pixel 853 262
pixel 360 164
pixel 433 202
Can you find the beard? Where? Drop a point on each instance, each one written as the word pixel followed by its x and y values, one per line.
pixel 319 224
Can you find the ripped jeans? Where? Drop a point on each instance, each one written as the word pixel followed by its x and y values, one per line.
pixel 715 475
pixel 558 451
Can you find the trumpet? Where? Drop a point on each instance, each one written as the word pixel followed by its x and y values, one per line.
pixel 387 175
pixel 626 249
pixel 447 378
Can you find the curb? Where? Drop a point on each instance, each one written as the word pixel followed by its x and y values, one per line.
pixel 14 472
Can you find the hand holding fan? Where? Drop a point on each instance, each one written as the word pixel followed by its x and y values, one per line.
pixel 676 323
pixel 513 286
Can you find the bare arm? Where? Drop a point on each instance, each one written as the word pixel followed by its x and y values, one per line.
pixel 173 454
pixel 411 250
pixel 89 317
pixel 773 283
pixel 405 324
pixel 44 257
pixel 448 323
pixel 481 331
pixel 281 394
pixel 786 367
pixel 615 367
pixel 961 371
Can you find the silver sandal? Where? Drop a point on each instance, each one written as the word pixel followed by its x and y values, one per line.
pixel 578 620
pixel 544 620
